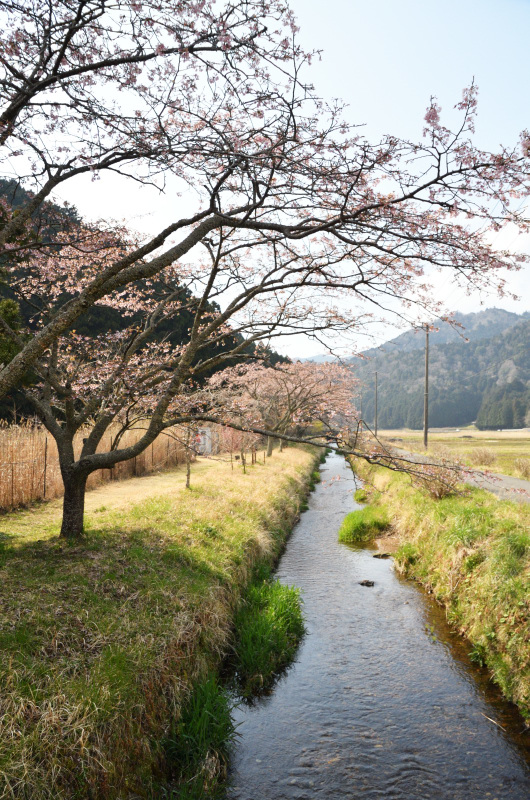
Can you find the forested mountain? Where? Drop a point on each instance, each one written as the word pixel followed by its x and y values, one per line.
pixel 482 325
pixel 485 379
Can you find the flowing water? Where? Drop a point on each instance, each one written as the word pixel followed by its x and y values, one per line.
pixel 382 701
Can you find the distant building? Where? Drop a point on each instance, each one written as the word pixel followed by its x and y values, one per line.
pixel 207 442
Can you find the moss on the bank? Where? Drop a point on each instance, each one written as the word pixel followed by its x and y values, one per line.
pixel 363 525
pixel 104 642
pixel 361 495
pixel 473 552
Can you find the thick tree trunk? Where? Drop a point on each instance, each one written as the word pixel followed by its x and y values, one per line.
pixel 270 442
pixel 73 506
pixel 281 445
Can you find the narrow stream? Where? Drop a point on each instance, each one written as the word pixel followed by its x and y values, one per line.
pixel 382 701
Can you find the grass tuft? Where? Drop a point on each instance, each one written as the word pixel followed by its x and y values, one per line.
pixel 363 525
pixel 361 495
pixel 482 456
pixel 522 465
pixel 268 628
pixel 198 745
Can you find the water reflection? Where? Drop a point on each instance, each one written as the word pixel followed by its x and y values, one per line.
pixel 382 701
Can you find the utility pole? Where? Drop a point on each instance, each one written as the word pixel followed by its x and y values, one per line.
pixel 375 425
pixel 426 393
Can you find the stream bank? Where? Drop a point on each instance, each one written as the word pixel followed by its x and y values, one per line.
pixel 103 643
pixel 472 552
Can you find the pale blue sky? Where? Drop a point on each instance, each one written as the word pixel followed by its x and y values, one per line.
pixel 385 59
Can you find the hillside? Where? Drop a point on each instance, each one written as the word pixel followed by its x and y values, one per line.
pixel 486 379
pixel 480 325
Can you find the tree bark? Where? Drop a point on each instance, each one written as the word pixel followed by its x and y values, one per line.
pixel 188 469
pixel 73 506
pixel 188 458
pixel 270 442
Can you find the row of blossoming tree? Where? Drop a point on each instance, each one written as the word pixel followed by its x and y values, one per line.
pixel 294 222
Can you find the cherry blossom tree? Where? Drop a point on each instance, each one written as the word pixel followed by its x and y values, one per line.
pixel 132 376
pixel 298 398
pixel 304 214
pixel 295 223
pixel 112 381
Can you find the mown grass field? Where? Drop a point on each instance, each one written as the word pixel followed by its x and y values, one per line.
pixel 473 552
pixel 498 451
pixel 102 642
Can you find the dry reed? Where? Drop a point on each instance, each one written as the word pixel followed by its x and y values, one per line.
pixel 482 456
pixel 29 462
pixel 522 465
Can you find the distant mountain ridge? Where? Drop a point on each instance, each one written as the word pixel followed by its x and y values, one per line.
pixel 479 325
pixel 485 379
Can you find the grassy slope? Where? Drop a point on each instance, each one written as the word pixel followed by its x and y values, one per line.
pixel 473 551
pixel 101 642
pixel 506 447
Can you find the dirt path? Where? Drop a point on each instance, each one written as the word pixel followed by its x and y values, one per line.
pixel 506 487
pixel 44 518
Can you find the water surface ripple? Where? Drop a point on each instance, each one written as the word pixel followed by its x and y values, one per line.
pixel 382 701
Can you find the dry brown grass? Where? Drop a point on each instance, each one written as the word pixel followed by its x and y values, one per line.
pixel 522 465
pixel 482 457
pixel 506 446
pixel 29 463
pixel 101 642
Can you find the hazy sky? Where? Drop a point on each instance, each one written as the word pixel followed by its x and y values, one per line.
pixel 385 58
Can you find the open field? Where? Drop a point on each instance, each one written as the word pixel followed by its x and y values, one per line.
pixel 499 451
pixel 102 642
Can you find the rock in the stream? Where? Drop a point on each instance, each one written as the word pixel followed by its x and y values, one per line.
pixel 366 583
pixel 381 555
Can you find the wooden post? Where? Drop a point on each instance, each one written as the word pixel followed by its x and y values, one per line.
pixel 188 458
pixel 426 393
pixel 375 426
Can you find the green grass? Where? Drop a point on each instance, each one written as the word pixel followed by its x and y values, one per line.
pixel 361 495
pixel 473 552
pixel 363 525
pixel 103 641
pixel 268 628
pixel 198 745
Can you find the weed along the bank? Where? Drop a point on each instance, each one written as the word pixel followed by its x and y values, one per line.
pixel 111 647
pixel 268 628
pixel 472 552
